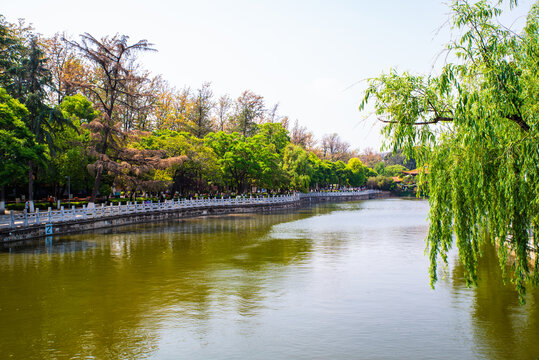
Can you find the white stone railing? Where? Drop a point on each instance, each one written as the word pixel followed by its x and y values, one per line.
pixel 76 214
pixel 53 216
pixel 337 193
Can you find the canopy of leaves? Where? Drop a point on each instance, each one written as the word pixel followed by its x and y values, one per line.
pixel 17 143
pixel 476 129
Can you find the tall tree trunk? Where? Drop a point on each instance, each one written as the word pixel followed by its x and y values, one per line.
pixel 100 168
pixel 31 186
pixel 30 181
pixel 96 184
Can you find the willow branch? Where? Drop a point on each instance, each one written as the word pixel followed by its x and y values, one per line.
pixel 520 122
pixel 429 122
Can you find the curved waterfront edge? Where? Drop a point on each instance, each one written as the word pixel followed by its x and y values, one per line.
pixel 30 232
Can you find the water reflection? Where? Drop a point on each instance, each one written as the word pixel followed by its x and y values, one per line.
pixel 503 328
pixel 107 295
pixel 344 280
pixel 47 245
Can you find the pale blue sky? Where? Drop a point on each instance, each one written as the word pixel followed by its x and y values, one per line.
pixel 303 54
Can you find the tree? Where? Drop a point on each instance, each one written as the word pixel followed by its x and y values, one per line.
pixel 299 135
pixel 32 80
pixel 223 106
pixel 274 133
pixel 173 108
pixel 65 68
pixel 134 111
pixel 251 161
pixel 236 158
pixel 71 157
pixel 393 170
pixel 334 148
pixel 272 115
pixel 17 143
pixel 111 88
pixel 201 121
pixel 370 158
pixel 384 183
pixel 358 172
pixel 398 158
pixel 298 167
pixel 198 166
pixel 476 127
pixel 78 108
pixel 11 47
pixel 14 39
pixel 267 152
pixel 249 109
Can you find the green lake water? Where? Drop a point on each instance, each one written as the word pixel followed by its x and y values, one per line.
pixel 333 281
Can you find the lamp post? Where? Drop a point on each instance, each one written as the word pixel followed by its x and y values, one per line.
pixel 68 188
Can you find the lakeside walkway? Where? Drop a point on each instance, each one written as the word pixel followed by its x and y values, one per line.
pixel 15 221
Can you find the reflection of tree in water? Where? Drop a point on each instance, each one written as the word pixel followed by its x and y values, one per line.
pixel 503 329
pixel 110 300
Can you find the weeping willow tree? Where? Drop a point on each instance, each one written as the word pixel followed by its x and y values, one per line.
pixel 474 130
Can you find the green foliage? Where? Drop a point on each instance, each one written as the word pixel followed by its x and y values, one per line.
pixel 71 157
pixel 199 168
pixel 251 161
pixel 11 49
pixel 393 170
pixel 298 167
pixel 274 133
pixel 78 107
pixel 250 107
pixel 379 168
pixel 236 159
pixel 370 173
pixel 105 189
pixel 380 182
pixel 358 172
pixel 398 158
pixel 17 143
pixel 476 128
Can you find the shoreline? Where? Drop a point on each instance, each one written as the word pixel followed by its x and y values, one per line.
pixel 23 233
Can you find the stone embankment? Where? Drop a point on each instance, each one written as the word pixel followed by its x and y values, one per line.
pixel 28 226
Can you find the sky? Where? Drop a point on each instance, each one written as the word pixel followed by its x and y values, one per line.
pixel 312 57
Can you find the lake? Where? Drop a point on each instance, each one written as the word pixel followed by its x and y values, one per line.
pixel 333 281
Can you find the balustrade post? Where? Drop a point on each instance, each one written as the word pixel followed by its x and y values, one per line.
pixel 50 215
pixel 37 216
pixel 11 219
pixel 62 214
pixel 84 215
pixel 73 212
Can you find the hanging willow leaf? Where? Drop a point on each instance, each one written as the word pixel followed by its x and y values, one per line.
pixel 476 128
